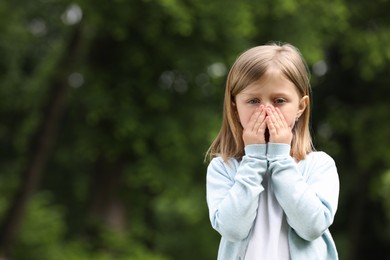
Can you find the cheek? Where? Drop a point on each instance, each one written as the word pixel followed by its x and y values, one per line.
pixel 245 122
pixel 290 118
pixel 244 117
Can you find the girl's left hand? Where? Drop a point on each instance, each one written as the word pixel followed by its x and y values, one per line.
pixel 279 130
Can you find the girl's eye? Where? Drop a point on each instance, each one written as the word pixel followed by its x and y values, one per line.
pixel 280 101
pixel 253 101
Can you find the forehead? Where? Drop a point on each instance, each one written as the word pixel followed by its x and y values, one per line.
pixel 272 81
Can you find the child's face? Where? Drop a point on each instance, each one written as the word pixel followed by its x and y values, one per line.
pixel 272 89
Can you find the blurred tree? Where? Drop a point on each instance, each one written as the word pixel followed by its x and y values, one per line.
pixel 41 141
pixel 355 126
pixel 142 98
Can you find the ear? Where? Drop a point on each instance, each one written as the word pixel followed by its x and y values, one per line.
pixel 233 99
pixel 302 105
pixel 234 104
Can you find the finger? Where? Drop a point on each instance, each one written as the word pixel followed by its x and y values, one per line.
pixel 273 117
pixel 253 120
pixel 260 120
pixel 271 127
pixel 259 117
pixel 282 121
pixel 262 125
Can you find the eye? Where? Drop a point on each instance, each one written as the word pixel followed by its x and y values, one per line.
pixel 253 101
pixel 280 101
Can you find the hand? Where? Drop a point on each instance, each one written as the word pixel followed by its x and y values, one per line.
pixel 254 133
pixel 279 130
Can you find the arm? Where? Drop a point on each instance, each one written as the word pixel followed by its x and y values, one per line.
pixel 233 198
pixel 309 203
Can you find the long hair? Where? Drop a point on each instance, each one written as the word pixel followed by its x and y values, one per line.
pixel 249 67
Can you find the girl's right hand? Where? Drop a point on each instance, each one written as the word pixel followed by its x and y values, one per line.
pixel 254 133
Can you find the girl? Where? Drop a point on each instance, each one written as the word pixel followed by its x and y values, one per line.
pixel 270 195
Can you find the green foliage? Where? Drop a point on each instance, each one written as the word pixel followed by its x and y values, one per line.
pixel 43 232
pixel 144 102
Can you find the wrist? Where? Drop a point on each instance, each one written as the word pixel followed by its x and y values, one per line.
pixel 256 150
pixel 278 149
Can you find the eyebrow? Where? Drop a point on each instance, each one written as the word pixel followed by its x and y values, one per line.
pixel 254 93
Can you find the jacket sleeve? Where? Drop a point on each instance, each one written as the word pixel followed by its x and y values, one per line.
pixel 233 193
pixel 310 201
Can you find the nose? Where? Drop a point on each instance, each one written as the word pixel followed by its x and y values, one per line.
pixel 267 103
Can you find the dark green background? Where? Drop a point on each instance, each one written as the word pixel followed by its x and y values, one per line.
pixel 105 120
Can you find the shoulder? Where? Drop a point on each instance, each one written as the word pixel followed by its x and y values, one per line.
pixel 318 164
pixel 319 158
pixel 218 166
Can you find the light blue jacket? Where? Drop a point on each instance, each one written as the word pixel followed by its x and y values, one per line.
pixel 307 191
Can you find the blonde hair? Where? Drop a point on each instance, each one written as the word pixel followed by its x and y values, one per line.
pixel 249 67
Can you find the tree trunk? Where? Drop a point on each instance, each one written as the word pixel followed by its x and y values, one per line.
pixel 40 144
pixel 358 218
pixel 105 209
